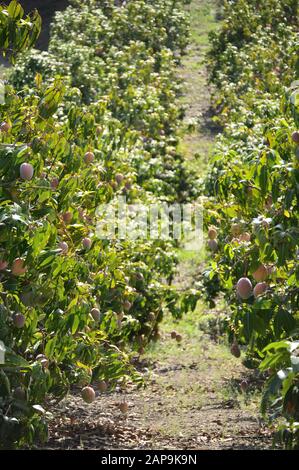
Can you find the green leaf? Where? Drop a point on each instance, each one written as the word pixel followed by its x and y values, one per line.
pixel 274 360
pixel 14 360
pixel 283 322
pixel 40 238
pixel 75 324
pixel 15 10
pixel 50 347
pixel 277 345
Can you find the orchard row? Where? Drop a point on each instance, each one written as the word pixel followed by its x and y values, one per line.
pixel 252 214
pixel 93 118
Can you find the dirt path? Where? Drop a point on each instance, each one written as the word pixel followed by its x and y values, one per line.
pixel 192 401
pixel 193 398
pixel 198 145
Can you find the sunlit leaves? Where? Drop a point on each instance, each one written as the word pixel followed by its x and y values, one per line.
pixel 18 33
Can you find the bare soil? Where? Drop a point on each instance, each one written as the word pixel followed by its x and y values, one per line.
pixel 192 401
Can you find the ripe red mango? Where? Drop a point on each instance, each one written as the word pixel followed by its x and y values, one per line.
pixel 5 127
pixel 212 233
pixel 64 247
pixel 89 157
pixel 26 171
pixel 19 320
pixel 260 289
pixel 88 394
pixel 244 288
pixel 18 267
pixel 260 274
pixel 96 314
pixel 295 137
pixel 86 242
